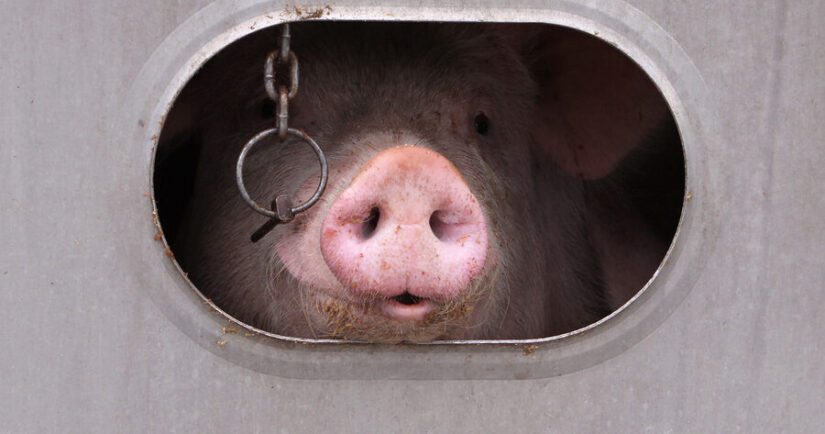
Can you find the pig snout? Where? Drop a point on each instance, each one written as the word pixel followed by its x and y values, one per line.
pixel 406 232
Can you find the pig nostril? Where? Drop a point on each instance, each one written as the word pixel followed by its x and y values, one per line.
pixel 437 225
pixel 370 224
pixel 407 299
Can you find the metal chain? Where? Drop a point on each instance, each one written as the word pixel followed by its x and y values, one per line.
pixel 282 96
pixel 282 210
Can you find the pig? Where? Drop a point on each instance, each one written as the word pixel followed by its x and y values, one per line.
pixel 486 182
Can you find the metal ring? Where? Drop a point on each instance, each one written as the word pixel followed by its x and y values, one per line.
pixel 295 210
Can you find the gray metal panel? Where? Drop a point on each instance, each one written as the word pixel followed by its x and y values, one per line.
pixel 84 349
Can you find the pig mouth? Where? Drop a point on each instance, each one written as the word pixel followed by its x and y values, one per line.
pixel 405 317
pixel 407 299
pixel 407 306
pixel 404 307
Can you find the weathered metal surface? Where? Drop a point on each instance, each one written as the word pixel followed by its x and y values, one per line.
pixel 101 333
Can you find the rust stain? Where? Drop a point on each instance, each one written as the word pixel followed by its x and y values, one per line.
pixel 311 13
pixel 230 330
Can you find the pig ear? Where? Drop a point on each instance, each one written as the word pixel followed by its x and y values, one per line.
pixel 595 104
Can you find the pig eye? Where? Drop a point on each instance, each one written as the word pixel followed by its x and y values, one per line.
pixel 481 123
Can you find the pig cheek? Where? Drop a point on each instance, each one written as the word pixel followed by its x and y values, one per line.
pixel 301 256
pixel 299 249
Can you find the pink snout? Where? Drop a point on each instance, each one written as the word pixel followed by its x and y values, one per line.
pixel 407 232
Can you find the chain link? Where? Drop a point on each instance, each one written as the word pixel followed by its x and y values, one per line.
pixel 284 93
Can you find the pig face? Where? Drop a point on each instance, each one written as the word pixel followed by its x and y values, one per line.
pixel 457 205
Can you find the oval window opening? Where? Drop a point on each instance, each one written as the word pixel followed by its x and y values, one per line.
pixel 486 182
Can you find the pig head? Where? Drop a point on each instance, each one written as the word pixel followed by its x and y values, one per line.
pixel 473 188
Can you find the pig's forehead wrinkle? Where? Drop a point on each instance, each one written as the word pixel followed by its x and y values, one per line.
pixel 359 64
pixel 380 56
pixel 407 43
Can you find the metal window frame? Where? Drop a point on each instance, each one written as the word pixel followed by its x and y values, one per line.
pixel 182 53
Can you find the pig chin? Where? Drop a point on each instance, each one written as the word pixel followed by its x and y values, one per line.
pixel 400 254
pixel 331 311
pixel 368 321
